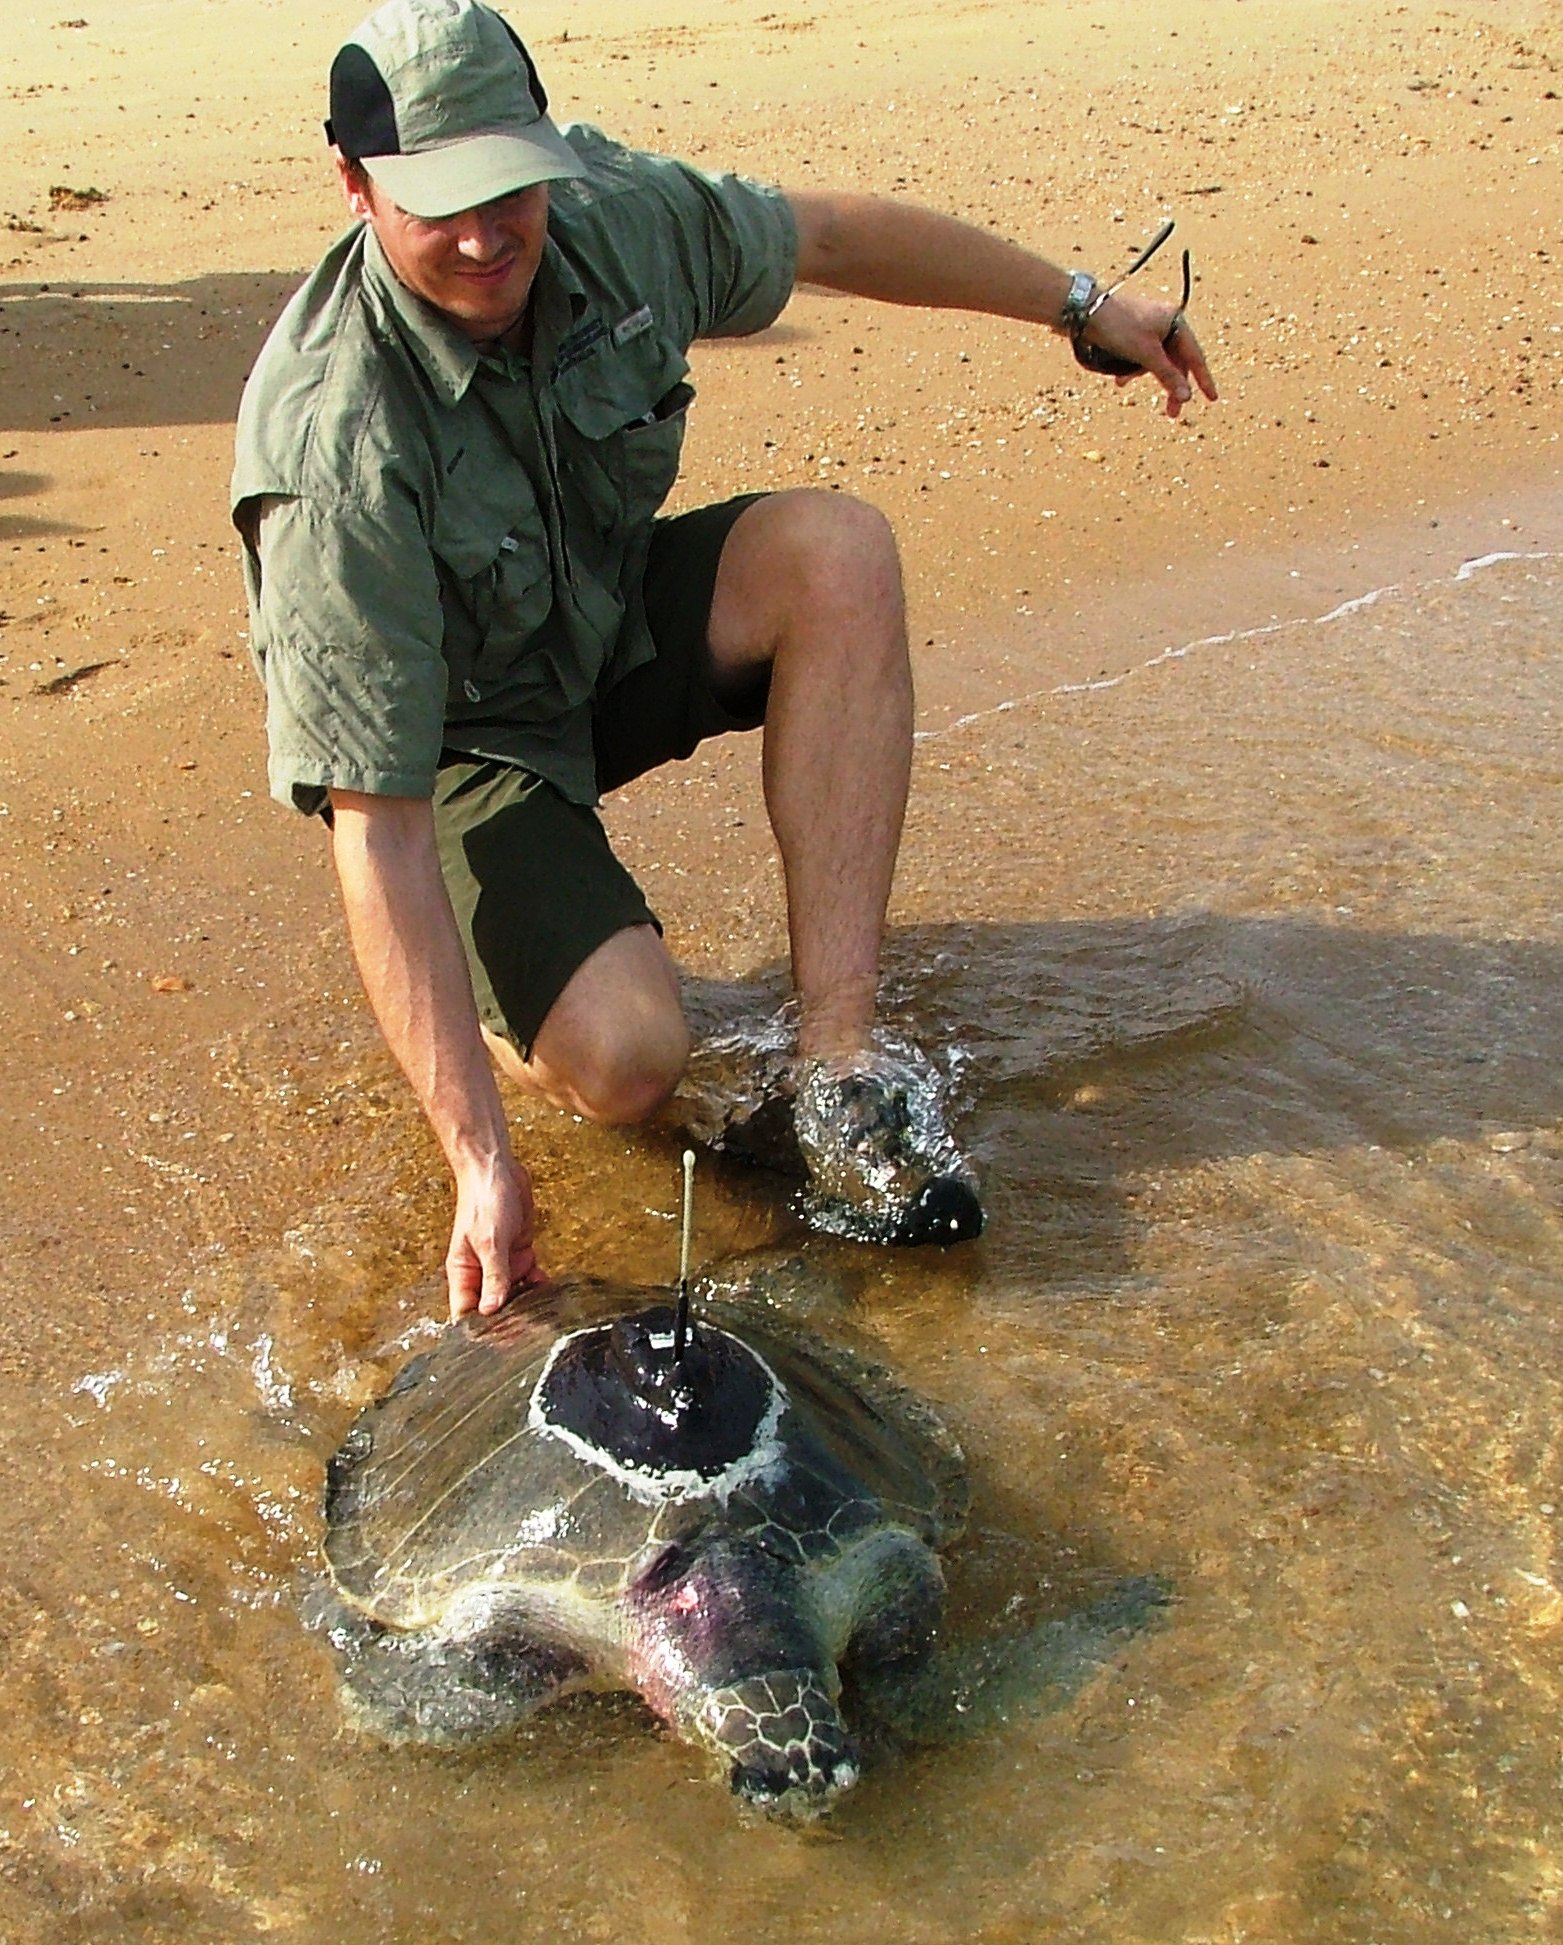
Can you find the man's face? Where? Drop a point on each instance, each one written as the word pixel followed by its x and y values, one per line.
pixel 475 267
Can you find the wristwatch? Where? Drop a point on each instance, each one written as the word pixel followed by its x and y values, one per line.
pixel 1082 299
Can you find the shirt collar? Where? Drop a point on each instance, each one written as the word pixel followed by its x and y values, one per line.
pixel 559 302
pixel 450 361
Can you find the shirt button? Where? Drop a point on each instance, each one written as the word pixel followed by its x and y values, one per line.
pixel 471 690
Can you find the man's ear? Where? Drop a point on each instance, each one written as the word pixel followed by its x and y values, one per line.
pixel 354 179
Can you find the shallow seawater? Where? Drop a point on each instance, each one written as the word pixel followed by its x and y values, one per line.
pixel 1251 968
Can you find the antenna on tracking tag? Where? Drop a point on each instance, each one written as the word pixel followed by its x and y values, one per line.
pixel 681 1315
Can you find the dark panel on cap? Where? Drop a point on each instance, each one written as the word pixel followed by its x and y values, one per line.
pixel 363 115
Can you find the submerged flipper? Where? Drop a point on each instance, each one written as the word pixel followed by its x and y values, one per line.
pixel 424 1687
pixel 980 1685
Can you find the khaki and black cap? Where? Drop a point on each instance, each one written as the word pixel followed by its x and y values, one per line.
pixel 441 103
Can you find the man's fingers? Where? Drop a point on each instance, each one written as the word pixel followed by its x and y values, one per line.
pixel 1179 362
pixel 1168 374
pixel 484 1287
pixel 465 1280
pixel 498 1283
pixel 491 1254
pixel 1160 342
pixel 479 1279
pixel 526 1272
pixel 1194 361
pixel 1173 381
pixel 490 1288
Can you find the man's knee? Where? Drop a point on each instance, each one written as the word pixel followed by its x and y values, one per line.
pixel 619 1084
pixel 615 1083
pixel 812 570
pixel 614 1044
pixel 833 549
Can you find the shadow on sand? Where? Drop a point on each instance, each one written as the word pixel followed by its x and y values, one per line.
pixel 27 526
pixel 75 356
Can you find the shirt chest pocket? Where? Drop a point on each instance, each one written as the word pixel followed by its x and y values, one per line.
pixel 496 589
pixel 625 410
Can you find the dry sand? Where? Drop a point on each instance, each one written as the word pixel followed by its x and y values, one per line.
pixel 1372 205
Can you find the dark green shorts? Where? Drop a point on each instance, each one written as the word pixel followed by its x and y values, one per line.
pixel 535 888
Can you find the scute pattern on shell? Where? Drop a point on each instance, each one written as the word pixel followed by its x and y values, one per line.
pixel 423 1496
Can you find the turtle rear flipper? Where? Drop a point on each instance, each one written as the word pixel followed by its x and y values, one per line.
pixel 979 1685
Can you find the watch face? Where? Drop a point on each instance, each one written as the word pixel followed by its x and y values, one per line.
pixel 1082 288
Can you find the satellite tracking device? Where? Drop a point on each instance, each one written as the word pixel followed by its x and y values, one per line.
pixel 681 1315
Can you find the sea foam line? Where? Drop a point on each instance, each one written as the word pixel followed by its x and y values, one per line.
pixel 1464 572
pixel 1467 568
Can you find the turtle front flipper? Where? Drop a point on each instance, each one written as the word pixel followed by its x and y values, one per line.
pixel 416 1685
pixel 973 1688
pixel 729 1650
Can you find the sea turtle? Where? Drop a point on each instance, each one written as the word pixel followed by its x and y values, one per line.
pixel 554 1498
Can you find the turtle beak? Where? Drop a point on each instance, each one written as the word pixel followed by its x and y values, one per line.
pixel 796 1795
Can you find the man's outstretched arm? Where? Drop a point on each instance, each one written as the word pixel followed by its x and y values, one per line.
pixel 881 247
pixel 415 973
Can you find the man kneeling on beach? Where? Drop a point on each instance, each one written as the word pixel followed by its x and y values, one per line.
pixel 472 623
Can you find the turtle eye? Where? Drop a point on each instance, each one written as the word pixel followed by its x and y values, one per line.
pixel 665 1568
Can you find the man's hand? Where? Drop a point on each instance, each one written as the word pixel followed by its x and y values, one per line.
pixel 1135 328
pixel 491 1252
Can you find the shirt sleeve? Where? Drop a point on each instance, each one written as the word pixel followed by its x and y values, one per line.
pixel 744 261
pixel 346 626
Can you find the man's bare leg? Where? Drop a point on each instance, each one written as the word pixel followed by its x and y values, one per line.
pixel 810 586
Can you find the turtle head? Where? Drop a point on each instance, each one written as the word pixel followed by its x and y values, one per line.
pixel 786 1746
pixel 784 1741
pixel 727 1645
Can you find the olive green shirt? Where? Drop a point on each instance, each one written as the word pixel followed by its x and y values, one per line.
pixel 450 544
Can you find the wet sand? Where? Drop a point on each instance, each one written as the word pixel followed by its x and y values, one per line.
pixel 193 1089
pixel 1368 207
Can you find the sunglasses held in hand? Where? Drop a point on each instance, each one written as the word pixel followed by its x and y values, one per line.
pixel 1092 356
